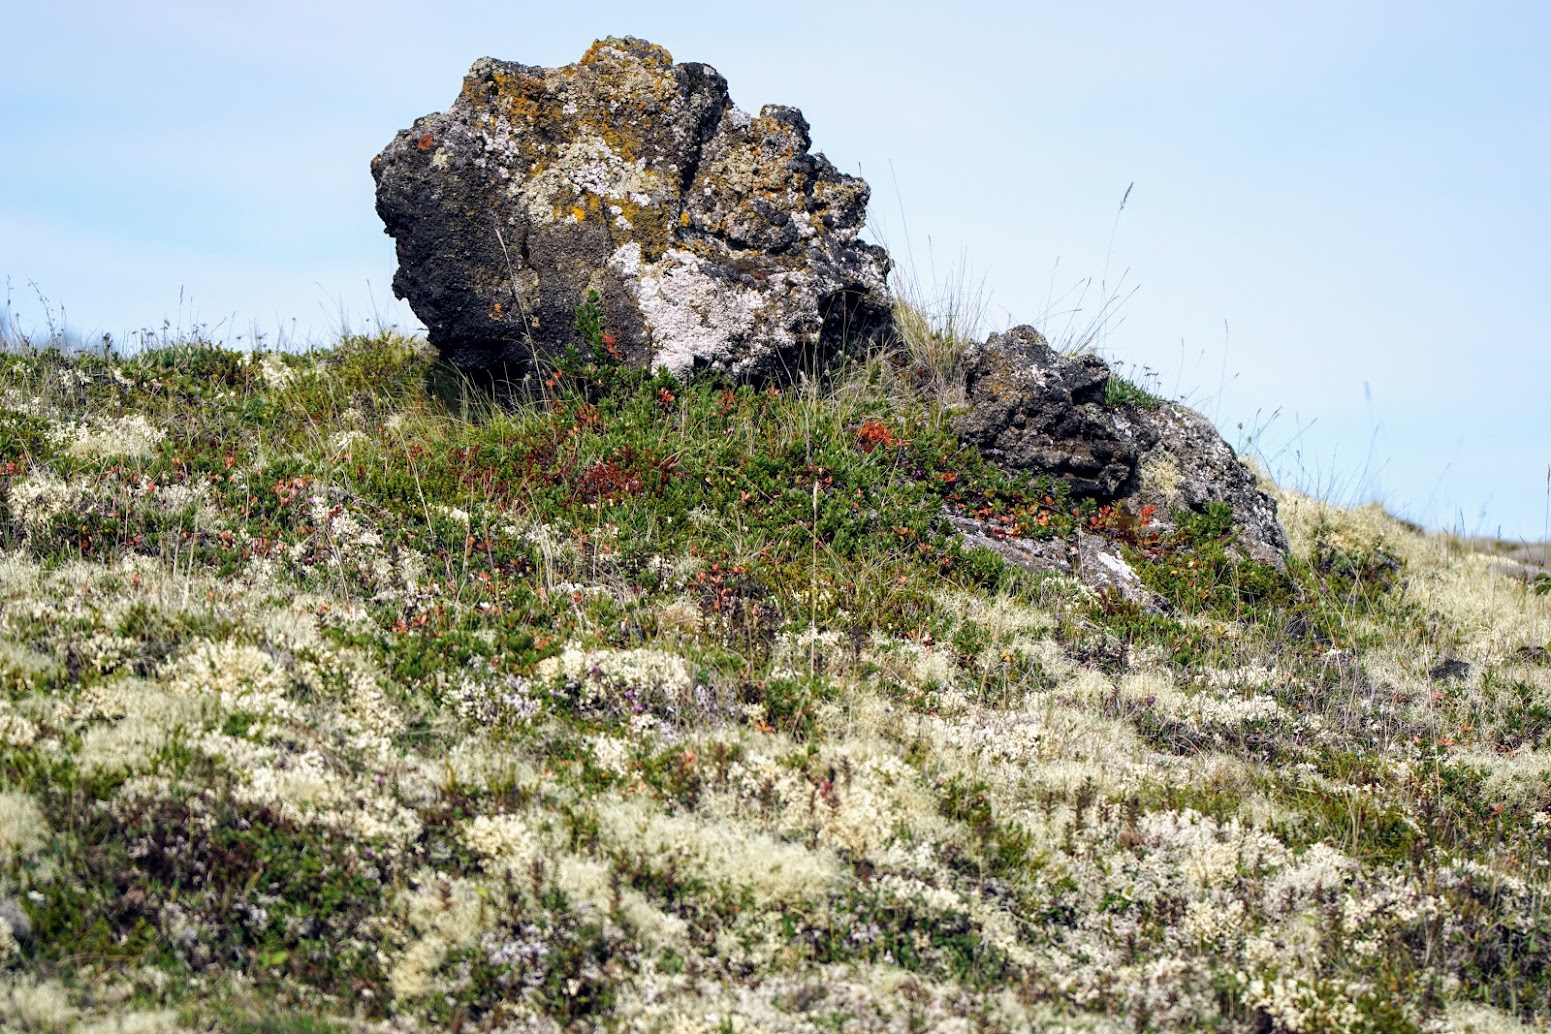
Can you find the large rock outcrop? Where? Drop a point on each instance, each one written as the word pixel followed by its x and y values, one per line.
pixel 712 237
pixel 1032 409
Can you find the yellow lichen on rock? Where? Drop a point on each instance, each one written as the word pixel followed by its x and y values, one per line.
pixel 611 48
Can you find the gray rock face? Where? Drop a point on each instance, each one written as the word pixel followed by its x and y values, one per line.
pixel 1091 559
pixel 1186 465
pixel 713 238
pixel 1034 410
pixel 12 915
pixel 1101 567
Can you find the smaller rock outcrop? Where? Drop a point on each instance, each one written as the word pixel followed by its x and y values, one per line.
pixel 1031 409
pixel 712 238
pixel 15 919
pixel 1034 410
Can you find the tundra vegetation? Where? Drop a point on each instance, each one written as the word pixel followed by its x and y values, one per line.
pixel 335 696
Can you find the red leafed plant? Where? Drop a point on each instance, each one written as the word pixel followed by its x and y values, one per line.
pixel 608 481
pixel 1121 523
pixel 872 434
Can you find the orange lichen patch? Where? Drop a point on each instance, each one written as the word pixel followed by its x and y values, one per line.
pixel 630 76
pixel 602 50
pixel 520 95
pixel 649 225
pixel 594 52
pixel 424 142
pixel 619 91
pixel 628 137
pixel 625 137
pixel 577 207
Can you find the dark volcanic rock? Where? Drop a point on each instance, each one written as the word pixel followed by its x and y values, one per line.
pixel 1034 410
pixel 1449 668
pixel 712 237
pixel 1031 409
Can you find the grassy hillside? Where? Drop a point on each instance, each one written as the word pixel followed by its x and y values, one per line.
pixel 335 697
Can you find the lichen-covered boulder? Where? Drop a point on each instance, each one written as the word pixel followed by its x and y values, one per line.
pixel 712 237
pixel 1035 410
pixel 1187 465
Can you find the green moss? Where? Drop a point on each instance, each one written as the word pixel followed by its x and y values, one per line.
pixel 1197 569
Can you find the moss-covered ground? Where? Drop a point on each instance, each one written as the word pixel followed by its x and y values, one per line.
pixel 337 696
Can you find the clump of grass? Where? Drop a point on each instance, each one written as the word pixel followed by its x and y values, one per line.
pixel 1118 391
pixel 933 328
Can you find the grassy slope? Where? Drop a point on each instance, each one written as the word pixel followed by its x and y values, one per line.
pixel 333 699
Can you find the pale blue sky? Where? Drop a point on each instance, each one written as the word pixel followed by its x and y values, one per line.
pixel 1358 191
